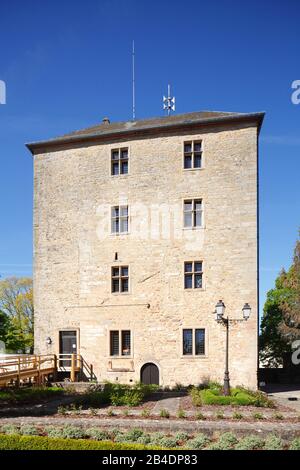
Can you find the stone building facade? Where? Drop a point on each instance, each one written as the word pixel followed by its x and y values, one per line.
pixel 139 229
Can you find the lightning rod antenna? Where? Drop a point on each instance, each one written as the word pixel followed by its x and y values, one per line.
pixel 133 82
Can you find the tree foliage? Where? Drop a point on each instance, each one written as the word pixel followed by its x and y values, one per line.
pixel 281 320
pixel 16 314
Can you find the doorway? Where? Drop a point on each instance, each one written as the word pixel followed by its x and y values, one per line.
pixel 150 374
pixel 67 346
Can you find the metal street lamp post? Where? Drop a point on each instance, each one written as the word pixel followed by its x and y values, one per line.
pixel 219 316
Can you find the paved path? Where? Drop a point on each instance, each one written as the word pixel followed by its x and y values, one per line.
pixel 286 395
pixel 169 404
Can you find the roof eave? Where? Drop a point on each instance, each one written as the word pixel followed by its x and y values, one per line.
pixel 38 146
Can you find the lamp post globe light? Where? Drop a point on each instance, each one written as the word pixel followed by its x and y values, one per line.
pixel 219 317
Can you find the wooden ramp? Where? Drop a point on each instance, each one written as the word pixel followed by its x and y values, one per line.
pixel 21 369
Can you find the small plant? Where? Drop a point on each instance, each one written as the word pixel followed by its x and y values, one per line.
pixel 145 413
pixel 219 415
pixel 93 411
pixel 53 431
pixel 182 436
pixel 181 413
pixel 134 434
pixel 250 443
pixel 199 442
pixel 10 429
pixel 73 432
pixel 237 415
pixel 62 410
pixel 110 412
pixel 258 416
pixel 168 442
pixel 29 430
pixel 164 413
pixel 278 416
pixel 125 412
pixel 144 439
pixel 200 416
pixel 156 437
pixel 295 445
pixel 273 443
pixel 228 440
pixel 98 434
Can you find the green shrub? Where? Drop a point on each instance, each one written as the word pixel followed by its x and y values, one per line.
pixel 237 415
pixel 145 413
pixel 29 430
pixel 144 439
pixel 200 416
pixel 98 434
pixel 181 413
pixel 29 394
pixel 219 415
pixel 53 431
pixel 295 445
pixel 164 413
pixel 134 434
pixel 73 432
pixel 273 443
pixel 212 395
pixel 250 443
pixel 168 442
pixel 199 442
pixel 228 439
pixel 14 442
pixel 156 437
pixel 10 429
pixel 110 412
pixel 258 416
pixel 182 436
pixel 278 416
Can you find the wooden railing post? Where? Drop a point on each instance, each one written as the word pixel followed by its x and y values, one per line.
pixel 55 368
pixel 92 373
pixel 73 360
pixel 19 369
pixel 39 371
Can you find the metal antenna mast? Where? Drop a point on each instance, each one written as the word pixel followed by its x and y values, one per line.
pixel 133 82
pixel 169 102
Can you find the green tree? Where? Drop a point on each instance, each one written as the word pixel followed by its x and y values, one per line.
pixel 16 307
pixel 281 319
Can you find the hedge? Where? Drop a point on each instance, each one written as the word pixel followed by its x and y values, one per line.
pixel 15 442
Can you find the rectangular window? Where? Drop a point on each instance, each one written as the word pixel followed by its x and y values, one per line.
pixel 120 338
pixel 119 161
pixel 119 279
pixel 192 213
pixel 187 342
pixel 193 342
pixel 192 154
pixel 193 275
pixel 119 219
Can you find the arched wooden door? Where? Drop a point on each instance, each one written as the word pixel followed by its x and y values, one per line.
pixel 150 374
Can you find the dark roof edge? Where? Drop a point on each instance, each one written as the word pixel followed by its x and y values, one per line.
pixel 60 141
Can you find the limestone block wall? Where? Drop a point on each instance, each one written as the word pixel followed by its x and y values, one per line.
pixel 74 252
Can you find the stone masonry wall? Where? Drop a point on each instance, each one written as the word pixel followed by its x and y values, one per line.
pixel 73 258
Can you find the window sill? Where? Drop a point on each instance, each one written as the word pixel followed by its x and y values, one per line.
pixel 120 357
pixel 193 228
pixel 193 289
pixel 194 169
pixel 122 175
pixel 192 356
pixel 119 234
pixel 120 293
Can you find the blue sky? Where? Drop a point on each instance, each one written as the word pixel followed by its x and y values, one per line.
pixel 67 64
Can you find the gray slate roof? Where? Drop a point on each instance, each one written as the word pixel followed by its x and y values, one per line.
pixel 159 123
